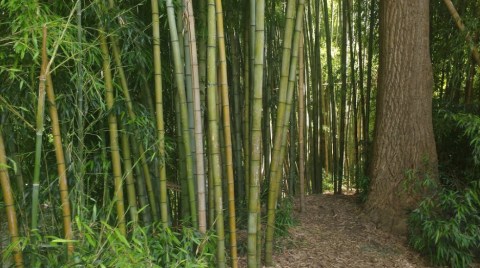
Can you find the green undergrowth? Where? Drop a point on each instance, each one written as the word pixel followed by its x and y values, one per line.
pixel 101 245
pixel 446 226
pixel 284 218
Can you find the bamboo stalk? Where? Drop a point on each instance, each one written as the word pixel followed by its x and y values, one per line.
pixel 159 111
pixel 39 133
pixel 129 179
pixel 458 21
pixel 80 168
pixel 131 113
pixel 227 135
pixel 214 134
pixel 61 167
pixel 179 79
pixel 275 165
pixel 9 205
pixel 301 123
pixel 200 165
pixel 113 132
pixel 254 250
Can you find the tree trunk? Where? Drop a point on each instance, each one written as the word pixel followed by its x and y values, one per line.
pixel 404 142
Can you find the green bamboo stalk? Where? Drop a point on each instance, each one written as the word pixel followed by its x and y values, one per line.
pixel 129 180
pixel 9 204
pixel 211 189
pixel 133 117
pixel 275 165
pixel 199 158
pixel 159 111
pixel 292 150
pixel 184 37
pixel 113 132
pixel 179 78
pixel 370 84
pixel 301 123
pixel 17 172
pixel 141 189
pixel 227 135
pixel 181 169
pixel 61 167
pixel 246 111
pixel 256 129
pixel 80 168
pixel 131 113
pixel 331 90
pixel 237 144
pixel 202 47
pixel 39 133
pixel 281 138
pixel 354 84
pixel 213 129
pixel 343 99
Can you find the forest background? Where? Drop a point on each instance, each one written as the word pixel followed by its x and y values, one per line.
pixel 177 133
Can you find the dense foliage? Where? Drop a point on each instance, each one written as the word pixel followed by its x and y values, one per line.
pixel 446 226
pixel 142 107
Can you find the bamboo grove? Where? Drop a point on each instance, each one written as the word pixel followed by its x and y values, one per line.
pixel 202 114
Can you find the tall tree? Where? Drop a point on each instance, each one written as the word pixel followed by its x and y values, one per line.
pixel 404 147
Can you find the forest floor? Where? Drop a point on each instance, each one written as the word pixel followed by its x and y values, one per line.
pixel 334 232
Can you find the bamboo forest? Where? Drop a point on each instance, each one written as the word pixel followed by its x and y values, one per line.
pixel 239 133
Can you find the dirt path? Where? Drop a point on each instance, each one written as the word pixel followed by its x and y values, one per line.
pixel 334 233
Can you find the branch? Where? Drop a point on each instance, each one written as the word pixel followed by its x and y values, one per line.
pixel 461 27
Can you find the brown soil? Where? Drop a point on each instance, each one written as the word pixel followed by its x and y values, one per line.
pixel 334 232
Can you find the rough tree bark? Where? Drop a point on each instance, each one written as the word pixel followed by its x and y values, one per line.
pixel 404 147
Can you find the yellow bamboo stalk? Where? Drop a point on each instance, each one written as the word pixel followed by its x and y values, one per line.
pixel 61 167
pixel 214 134
pixel 227 134
pixel 159 112
pixel 9 205
pixel 131 113
pixel 129 180
pixel 113 132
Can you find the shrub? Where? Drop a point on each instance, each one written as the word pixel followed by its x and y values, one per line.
pixel 446 226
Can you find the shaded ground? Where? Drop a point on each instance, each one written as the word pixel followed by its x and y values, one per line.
pixel 334 232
